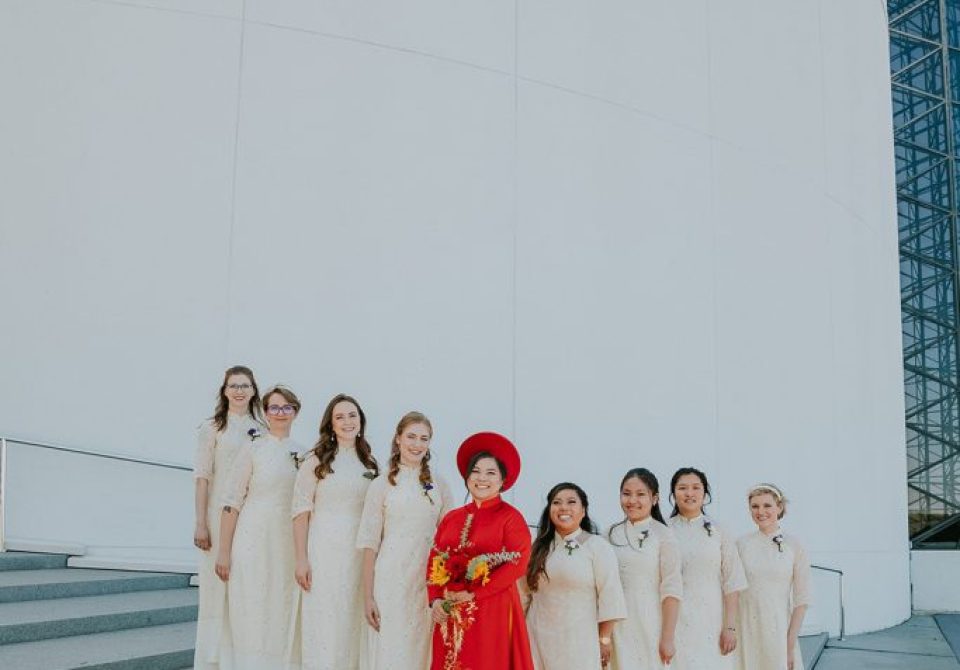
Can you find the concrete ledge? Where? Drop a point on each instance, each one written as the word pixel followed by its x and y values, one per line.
pixel 45 546
pixel 133 563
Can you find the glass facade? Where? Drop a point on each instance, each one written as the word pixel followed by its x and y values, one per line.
pixel 925 77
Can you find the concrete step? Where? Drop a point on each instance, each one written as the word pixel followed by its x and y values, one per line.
pixel 811 647
pixel 23 560
pixel 166 647
pixel 44 619
pixel 22 585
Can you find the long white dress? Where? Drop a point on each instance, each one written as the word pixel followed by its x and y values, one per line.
pixel 581 588
pixel 711 569
pixel 399 523
pixel 214 458
pixel 261 589
pixel 331 613
pixel 779 582
pixel 650 570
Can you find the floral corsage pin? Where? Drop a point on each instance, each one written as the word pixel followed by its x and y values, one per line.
pixel 708 526
pixel 427 487
pixel 254 433
pixel 778 540
pixel 641 536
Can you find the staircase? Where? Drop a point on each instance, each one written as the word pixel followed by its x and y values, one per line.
pixel 57 618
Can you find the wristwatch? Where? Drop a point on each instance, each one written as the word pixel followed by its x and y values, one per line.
pixel 605 640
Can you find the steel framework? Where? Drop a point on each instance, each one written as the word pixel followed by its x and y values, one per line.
pixel 925 79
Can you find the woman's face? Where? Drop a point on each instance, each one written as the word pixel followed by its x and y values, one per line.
pixel 765 511
pixel 238 392
pixel 636 500
pixel 484 481
pixel 280 413
pixel 566 511
pixel 346 421
pixel 413 443
pixel 689 495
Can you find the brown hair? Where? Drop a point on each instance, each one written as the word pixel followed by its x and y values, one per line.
pixel 285 393
pixel 220 413
pixel 406 420
pixel 326 447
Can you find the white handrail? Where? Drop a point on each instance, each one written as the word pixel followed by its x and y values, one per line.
pixel 5 439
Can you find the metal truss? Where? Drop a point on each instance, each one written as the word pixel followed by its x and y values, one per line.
pixel 925 79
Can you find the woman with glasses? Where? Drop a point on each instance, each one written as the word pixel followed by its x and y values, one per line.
pixel 256 543
pixel 650 569
pixel 327 504
pixel 400 516
pixel 234 423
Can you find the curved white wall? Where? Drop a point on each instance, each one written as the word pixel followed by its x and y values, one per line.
pixel 627 233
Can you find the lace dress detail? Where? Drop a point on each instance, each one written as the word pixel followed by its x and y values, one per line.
pixel 399 523
pixel 215 454
pixel 650 571
pixel 711 568
pixel 331 613
pixel 779 582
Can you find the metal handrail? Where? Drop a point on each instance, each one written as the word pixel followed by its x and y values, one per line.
pixel 839 573
pixel 4 439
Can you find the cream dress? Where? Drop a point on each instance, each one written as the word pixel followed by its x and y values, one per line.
pixel 214 458
pixel 580 589
pixel 399 523
pixel 650 570
pixel 779 582
pixel 711 569
pixel 261 589
pixel 331 613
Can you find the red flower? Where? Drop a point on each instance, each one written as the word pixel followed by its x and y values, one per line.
pixel 457 567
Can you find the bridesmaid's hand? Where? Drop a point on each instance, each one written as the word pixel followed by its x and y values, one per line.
pixel 460 596
pixel 303 574
pixel 201 537
pixel 222 568
pixel 791 645
pixel 667 650
pixel 437 613
pixel 728 641
pixel 605 650
pixel 372 613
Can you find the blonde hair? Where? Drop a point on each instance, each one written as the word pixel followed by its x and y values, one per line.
pixel 770 489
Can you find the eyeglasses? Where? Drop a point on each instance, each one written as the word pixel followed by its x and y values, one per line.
pixel 277 410
pixel 239 387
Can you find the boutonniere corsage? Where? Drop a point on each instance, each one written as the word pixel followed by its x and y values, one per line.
pixel 296 459
pixel 370 474
pixel 778 540
pixel 708 526
pixel 570 545
pixel 427 487
pixel 254 433
pixel 641 536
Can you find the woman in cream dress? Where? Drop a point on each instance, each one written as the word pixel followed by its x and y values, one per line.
pixel 651 573
pixel 234 423
pixel 327 503
pixel 573 585
pixel 400 517
pixel 712 578
pixel 772 609
pixel 256 544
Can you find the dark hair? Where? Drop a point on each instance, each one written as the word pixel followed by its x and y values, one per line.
pixel 479 456
pixel 326 447
pixel 541 545
pixel 406 420
pixel 703 480
pixel 220 413
pixel 650 480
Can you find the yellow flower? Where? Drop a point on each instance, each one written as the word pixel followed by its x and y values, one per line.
pixel 438 571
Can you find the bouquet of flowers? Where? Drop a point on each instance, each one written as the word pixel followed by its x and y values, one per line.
pixel 457 570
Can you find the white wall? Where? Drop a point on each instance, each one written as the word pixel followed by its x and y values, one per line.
pixel 933 578
pixel 629 234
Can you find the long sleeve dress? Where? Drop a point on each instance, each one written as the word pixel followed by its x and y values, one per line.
pixel 331 613
pixel 398 523
pixel 779 578
pixel 261 589
pixel 581 588
pixel 650 570
pixel 711 569
pixel 215 453
pixel 497 638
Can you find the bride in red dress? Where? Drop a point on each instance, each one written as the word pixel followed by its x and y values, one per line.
pixel 480 625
